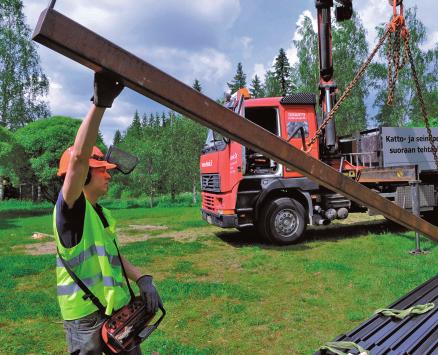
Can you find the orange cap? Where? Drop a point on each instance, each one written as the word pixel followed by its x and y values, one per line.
pixel 96 160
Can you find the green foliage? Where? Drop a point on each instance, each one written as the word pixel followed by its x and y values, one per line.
pixel 256 89
pixel 272 85
pixel 305 73
pixel 350 50
pixel 23 85
pixel 44 141
pixel 13 160
pixel 117 138
pixel 168 148
pixel 282 72
pixel 433 122
pixel 135 129
pixel 239 80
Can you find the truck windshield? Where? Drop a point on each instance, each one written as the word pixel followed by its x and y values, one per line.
pixel 215 142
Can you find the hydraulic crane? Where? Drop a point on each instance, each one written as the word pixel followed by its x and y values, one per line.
pixel 69 38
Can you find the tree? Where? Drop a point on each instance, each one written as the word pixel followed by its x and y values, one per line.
pixel 350 50
pixel 197 85
pixel 14 164
pixel 44 141
pixel 151 121
pixel 117 138
pixel 431 94
pixel 164 120
pixel 282 72
pixel 144 121
pixel 193 135
pixel 135 129
pixel 256 89
pixel 23 85
pixel 305 73
pixel 272 87
pixel 239 80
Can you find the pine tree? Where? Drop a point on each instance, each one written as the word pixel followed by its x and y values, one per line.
pixel 256 89
pixel 145 120
pixel 164 120
pixel 117 138
pixel 239 80
pixel 172 117
pixel 197 85
pixel 282 72
pixel 23 85
pixel 151 120
pixel 134 129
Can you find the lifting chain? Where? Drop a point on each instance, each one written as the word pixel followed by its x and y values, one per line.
pixel 395 62
pixel 347 91
pixel 420 99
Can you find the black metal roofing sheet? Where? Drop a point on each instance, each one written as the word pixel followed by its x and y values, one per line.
pixel 414 335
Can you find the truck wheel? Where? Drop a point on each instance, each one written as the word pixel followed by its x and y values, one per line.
pixel 282 221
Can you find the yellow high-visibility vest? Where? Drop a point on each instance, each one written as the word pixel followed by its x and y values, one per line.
pixel 96 263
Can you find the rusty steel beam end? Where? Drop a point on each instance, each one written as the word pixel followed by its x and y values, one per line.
pixel 69 38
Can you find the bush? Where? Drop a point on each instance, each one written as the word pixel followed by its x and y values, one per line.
pixel 182 200
pixel 20 205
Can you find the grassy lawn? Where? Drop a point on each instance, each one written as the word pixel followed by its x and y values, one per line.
pixel 224 292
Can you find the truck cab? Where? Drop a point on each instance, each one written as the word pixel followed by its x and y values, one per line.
pixel 236 181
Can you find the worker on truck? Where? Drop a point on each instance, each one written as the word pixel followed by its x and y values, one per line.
pixel 85 235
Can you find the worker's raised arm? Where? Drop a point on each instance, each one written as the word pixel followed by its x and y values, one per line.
pixel 106 89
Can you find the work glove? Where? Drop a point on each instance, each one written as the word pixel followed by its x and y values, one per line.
pixel 149 294
pixel 107 87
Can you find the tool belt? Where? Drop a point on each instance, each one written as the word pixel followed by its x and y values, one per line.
pixel 129 326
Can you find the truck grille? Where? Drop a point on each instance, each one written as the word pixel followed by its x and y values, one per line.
pixel 208 202
pixel 210 182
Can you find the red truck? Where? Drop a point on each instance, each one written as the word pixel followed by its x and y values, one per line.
pixel 245 190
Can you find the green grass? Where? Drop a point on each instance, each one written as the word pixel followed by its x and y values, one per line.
pixel 223 292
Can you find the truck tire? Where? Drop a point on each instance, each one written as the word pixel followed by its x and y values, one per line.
pixel 282 221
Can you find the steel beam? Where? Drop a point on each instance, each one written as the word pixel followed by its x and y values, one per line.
pixel 69 38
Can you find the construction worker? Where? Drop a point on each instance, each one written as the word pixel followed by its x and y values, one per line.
pixel 85 236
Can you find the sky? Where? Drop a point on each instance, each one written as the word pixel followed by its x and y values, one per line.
pixel 189 39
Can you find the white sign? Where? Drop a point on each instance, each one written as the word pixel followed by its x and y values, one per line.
pixel 408 146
